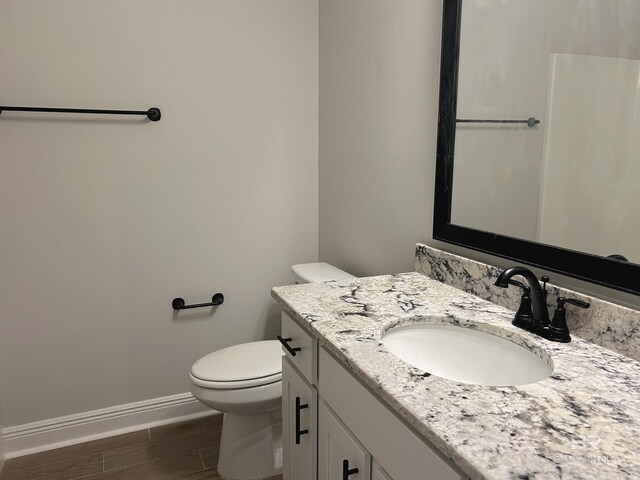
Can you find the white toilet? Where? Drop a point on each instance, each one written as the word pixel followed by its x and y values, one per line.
pixel 245 383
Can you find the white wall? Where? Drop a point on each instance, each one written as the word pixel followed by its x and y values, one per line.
pixel 379 80
pixel 105 220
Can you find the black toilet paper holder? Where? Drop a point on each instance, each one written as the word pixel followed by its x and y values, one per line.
pixel 180 304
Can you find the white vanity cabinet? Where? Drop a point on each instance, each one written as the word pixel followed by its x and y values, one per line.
pixel 340 455
pixel 300 348
pixel 299 424
pixel 351 434
pixel 392 444
pixel 378 473
pixel 299 403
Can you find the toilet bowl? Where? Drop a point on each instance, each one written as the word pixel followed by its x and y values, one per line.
pixel 244 382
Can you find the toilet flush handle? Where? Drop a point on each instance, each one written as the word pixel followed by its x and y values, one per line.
pixel 285 344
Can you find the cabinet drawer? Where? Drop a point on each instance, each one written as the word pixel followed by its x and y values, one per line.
pixel 403 454
pixel 340 455
pixel 303 348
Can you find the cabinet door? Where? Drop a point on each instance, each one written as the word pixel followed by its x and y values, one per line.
pixel 390 441
pixel 378 473
pixel 340 455
pixel 299 421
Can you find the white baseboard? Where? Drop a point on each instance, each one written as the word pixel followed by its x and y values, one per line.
pixel 106 422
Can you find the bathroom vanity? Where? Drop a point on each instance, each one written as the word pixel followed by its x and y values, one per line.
pixel 333 421
pixel 353 410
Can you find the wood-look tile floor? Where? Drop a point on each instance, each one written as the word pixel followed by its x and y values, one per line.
pixel 187 450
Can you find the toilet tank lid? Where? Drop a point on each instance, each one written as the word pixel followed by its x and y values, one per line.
pixel 320 272
pixel 245 361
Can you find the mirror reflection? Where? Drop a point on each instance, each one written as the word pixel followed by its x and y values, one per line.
pixel 548 133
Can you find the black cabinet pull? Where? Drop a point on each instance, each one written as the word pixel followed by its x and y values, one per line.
pixel 285 344
pixel 299 432
pixel 345 470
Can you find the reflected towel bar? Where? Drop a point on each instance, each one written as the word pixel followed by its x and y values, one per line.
pixel 531 122
pixel 179 303
pixel 152 114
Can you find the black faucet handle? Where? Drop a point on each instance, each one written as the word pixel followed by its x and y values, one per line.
pixel 544 279
pixel 578 303
pixel 558 330
pixel 572 301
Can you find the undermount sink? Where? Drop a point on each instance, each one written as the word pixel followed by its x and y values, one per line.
pixel 459 349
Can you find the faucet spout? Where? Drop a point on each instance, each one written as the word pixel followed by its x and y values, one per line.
pixel 538 295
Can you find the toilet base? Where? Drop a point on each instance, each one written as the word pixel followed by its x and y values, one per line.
pixel 250 446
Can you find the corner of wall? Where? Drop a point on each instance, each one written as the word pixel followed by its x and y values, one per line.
pixel 378 112
pixel 1 447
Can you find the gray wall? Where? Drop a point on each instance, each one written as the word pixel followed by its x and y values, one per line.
pixel 110 219
pixel 105 220
pixel 1 448
pixel 379 64
pixel 379 81
pixel 3 385
pixel 497 80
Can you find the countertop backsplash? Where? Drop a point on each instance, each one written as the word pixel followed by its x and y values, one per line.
pixel 606 324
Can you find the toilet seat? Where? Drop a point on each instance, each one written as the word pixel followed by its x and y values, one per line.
pixel 254 382
pixel 240 366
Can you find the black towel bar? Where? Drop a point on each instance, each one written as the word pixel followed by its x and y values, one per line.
pixel 152 114
pixel 179 303
pixel 531 121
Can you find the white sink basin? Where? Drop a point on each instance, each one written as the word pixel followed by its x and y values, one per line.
pixel 465 354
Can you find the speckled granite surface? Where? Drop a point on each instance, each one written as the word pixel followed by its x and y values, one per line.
pixel 604 323
pixel 582 422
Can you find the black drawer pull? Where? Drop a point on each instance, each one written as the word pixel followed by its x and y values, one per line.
pixel 299 432
pixel 345 470
pixel 285 344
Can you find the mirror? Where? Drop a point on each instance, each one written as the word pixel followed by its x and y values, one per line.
pixel 539 134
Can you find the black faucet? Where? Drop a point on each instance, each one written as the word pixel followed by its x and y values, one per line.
pixel 538 294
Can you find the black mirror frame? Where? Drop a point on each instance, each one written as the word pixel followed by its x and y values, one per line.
pixel 604 271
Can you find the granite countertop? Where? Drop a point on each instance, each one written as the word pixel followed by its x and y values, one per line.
pixel 581 422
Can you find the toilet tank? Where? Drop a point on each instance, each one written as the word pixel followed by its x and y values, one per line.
pixel 319 272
